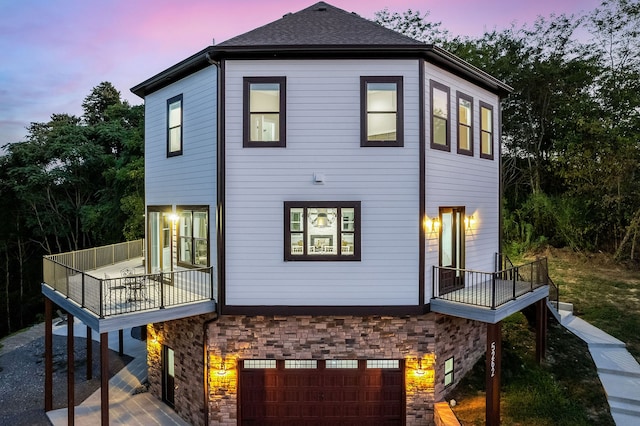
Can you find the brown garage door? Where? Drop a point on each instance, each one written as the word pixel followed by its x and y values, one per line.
pixel 318 393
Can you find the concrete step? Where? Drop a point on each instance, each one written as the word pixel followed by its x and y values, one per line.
pixel 624 419
pixel 587 332
pixel 615 360
pixel 620 387
pixel 625 408
pixel 632 404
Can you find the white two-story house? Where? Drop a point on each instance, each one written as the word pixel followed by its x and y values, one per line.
pixel 337 185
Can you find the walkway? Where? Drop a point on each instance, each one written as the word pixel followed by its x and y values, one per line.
pixel 124 407
pixel 618 370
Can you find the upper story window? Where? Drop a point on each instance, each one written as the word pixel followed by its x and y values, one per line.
pixel 440 132
pixel 465 124
pixel 320 230
pixel 381 111
pixel 193 236
pixel 486 131
pixel 174 126
pixel 264 112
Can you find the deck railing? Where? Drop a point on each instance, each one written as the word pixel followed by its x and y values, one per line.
pixel 97 257
pixel 488 289
pixel 106 296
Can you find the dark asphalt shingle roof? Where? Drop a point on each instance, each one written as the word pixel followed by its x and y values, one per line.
pixel 321 25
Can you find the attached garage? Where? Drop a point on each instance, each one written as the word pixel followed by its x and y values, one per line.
pixel 321 392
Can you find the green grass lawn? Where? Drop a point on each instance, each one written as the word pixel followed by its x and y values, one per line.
pixel 565 389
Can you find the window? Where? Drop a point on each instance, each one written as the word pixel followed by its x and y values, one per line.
pixel 381 111
pixel 264 112
pixel 322 230
pixel 448 372
pixel 174 126
pixel 465 124
pixel 259 363
pixel 383 363
pixel 440 116
pixel 486 131
pixel 193 236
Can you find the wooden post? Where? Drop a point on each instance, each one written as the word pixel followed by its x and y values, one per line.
pixel 104 378
pixel 541 330
pixel 48 355
pixel 494 355
pixel 70 372
pixel 89 354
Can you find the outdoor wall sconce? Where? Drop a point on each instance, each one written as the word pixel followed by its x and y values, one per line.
pixel 431 225
pixel 174 217
pixel 470 221
pixel 419 370
pixel 223 369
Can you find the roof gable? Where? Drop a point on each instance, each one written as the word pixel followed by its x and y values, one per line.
pixel 321 25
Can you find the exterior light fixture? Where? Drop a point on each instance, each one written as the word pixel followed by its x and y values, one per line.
pixel 431 225
pixel 223 369
pixel 470 221
pixel 174 217
pixel 419 370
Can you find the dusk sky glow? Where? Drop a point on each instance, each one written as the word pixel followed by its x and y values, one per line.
pixel 53 52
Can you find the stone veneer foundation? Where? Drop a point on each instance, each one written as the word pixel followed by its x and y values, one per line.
pixel 233 338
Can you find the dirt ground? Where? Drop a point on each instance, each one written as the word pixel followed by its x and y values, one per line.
pixel 22 378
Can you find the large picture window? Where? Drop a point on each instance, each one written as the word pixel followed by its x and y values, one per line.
pixel 465 124
pixel 174 126
pixel 486 131
pixel 322 230
pixel 193 236
pixel 264 112
pixel 381 111
pixel 440 113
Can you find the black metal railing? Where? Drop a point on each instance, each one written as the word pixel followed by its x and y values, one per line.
pixel 488 289
pixel 108 296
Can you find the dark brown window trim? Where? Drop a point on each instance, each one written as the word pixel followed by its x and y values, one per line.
pixel 169 102
pixel 288 205
pixel 192 209
pixel 282 114
pixel 482 131
pixel 459 96
pixel 364 113
pixel 436 85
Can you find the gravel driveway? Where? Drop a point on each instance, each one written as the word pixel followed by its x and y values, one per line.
pixel 22 378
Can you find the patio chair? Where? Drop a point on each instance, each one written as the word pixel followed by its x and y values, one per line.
pixel 116 289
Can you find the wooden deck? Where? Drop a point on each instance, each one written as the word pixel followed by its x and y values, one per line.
pixel 107 298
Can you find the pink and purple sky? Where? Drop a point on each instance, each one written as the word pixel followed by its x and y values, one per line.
pixel 53 52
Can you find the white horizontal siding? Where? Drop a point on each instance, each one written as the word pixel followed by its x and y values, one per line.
pixel 459 180
pixel 190 178
pixel 323 136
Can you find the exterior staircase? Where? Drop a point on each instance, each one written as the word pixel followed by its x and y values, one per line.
pixel 618 370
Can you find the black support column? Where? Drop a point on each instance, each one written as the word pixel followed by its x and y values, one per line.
pixel 104 378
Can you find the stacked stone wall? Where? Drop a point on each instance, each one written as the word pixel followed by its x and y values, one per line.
pixel 465 341
pixel 186 338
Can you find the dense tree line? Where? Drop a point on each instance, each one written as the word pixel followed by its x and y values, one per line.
pixel 571 127
pixel 73 183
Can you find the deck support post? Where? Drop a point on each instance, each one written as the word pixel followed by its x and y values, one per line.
pixel 70 372
pixel 48 355
pixel 104 378
pixel 494 356
pixel 89 354
pixel 120 342
pixel 541 330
